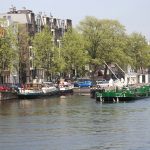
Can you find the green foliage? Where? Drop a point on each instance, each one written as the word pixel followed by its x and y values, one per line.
pixel 8 50
pixel 43 49
pixel 105 41
pixel 23 43
pixel 59 61
pixel 96 42
pixel 138 50
pixel 73 51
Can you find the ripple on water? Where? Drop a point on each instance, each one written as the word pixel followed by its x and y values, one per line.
pixel 74 123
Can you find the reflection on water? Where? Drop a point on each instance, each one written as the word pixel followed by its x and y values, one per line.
pixel 74 123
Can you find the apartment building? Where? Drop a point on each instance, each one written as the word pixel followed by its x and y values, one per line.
pixel 57 26
pixel 28 24
pixel 7 76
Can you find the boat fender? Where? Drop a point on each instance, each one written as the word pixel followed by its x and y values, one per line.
pixel 117 99
pixel 101 99
pixel 114 100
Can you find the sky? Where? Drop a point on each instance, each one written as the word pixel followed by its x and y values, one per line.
pixel 133 14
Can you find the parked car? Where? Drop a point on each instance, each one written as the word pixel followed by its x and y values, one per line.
pixel 102 83
pixel 83 83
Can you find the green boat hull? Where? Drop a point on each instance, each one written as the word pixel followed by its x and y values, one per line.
pixel 123 94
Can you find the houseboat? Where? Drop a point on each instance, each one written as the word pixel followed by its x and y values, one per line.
pixel 124 94
pixel 30 91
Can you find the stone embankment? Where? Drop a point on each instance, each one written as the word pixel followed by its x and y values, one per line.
pixel 81 91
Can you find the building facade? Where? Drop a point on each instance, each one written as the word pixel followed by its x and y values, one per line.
pixel 7 75
pixel 28 24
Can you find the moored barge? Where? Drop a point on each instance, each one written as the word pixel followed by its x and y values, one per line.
pixel 124 94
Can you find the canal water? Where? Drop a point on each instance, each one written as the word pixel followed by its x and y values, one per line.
pixel 74 123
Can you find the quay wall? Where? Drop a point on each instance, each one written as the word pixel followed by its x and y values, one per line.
pixel 81 91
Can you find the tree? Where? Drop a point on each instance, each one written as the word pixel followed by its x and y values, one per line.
pixel 43 47
pixel 73 52
pixel 105 41
pixel 59 61
pixel 23 43
pixel 8 50
pixel 138 50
